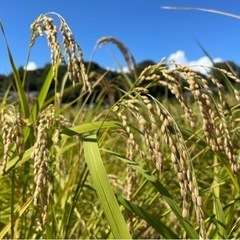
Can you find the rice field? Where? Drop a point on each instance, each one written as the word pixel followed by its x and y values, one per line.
pixel 137 167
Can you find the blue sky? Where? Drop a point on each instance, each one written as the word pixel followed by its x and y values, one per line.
pixel 149 31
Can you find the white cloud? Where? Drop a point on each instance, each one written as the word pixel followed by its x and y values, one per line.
pixel 178 57
pixel 201 65
pixel 119 70
pixel 31 66
pixel 125 70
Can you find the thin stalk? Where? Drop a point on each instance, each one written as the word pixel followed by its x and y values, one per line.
pixel 27 60
pixel 79 187
pixel 12 202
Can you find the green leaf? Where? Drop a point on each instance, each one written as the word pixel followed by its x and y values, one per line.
pixel 220 217
pixel 20 90
pixel 103 188
pixel 18 160
pixel 19 213
pixel 164 230
pixel 42 94
pixel 88 127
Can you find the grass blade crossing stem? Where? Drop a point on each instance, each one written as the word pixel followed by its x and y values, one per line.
pixel 104 189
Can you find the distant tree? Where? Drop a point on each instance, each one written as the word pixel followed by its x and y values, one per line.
pixel 111 81
pixel 92 66
pixel 4 82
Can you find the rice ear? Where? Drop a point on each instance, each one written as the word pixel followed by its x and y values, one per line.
pixel 75 62
pixel 131 63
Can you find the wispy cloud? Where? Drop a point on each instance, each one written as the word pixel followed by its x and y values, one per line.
pixel 201 65
pixel 31 66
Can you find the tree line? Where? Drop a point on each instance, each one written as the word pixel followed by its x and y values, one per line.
pixel 111 81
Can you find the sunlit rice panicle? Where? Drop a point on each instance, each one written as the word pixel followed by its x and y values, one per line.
pixel 158 118
pixel 130 183
pixel 225 138
pixel 165 77
pixel 75 62
pixel 204 102
pixel 227 124
pixel 115 181
pixel 229 74
pixel 176 89
pixel 129 58
pixel 234 78
pixel 44 24
pixel 181 164
pixel 213 114
pixel 41 157
pixel 173 80
pixel 46 144
pixel 131 140
pixel 149 127
pixel 176 145
pixel 76 67
pixel 12 134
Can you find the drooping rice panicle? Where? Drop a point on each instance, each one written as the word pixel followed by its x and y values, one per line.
pixel 12 133
pixel 47 139
pixel 76 68
pixel 131 63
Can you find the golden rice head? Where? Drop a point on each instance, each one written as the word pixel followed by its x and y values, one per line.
pixel 173 79
pixel 132 111
pixel 129 58
pixel 227 124
pixel 44 24
pixel 41 156
pixel 46 145
pixel 129 154
pixel 76 68
pixel 234 78
pixel 179 155
pixel 205 106
pixel 156 126
pixel 223 105
pixel 214 115
pixel 130 183
pixel 12 134
pixel 148 125
pixel 197 200
pixel 181 164
pixel 159 74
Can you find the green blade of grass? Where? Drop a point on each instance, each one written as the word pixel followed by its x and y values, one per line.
pixel 104 189
pixel 88 127
pixel 18 160
pixel 19 213
pixel 17 79
pixel 220 217
pixel 164 230
pixel 42 94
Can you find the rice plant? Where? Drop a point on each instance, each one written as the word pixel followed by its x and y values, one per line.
pixel 136 167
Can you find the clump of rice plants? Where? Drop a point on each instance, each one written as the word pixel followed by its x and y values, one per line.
pixel 137 167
